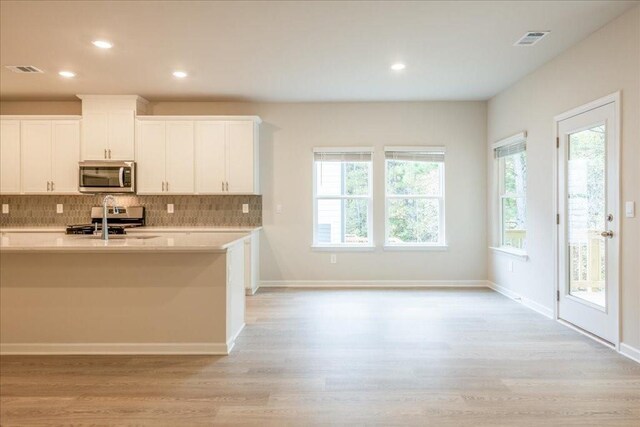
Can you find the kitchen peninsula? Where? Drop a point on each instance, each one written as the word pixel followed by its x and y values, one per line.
pixel 155 293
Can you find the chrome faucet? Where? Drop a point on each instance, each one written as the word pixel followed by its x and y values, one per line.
pixel 105 211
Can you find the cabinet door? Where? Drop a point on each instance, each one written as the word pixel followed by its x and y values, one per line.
pixel 121 135
pixel 65 155
pixel 36 156
pixel 210 162
pixel 240 173
pixel 94 136
pixel 9 156
pixel 150 157
pixel 179 158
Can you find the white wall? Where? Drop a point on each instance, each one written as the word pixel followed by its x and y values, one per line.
pixel 288 134
pixel 605 62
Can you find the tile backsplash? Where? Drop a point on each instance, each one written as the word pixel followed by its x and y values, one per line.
pixel 224 211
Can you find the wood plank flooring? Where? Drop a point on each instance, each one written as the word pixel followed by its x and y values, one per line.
pixel 439 357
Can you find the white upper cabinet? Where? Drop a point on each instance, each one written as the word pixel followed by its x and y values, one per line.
pixel 94 136
pixel 36 156
pixel 242 165
pixel 201 155
pixel 50 153
pixel 10 156
pixel 179 148
pixel 150 158
pixel 65 156
pixel 165 157
pixel 108 126
pixel 211 161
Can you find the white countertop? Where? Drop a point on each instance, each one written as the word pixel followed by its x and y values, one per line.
pixel 169 229
pixel 12 242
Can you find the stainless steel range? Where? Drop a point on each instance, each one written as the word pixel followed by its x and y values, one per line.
pixel 119 219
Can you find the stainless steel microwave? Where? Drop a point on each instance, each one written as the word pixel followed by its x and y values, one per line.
pixel 107 177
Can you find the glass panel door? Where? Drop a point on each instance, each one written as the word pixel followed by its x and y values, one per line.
pixel 586 214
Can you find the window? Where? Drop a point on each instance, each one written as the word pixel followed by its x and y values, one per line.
pixel 414 196
pixel 342 197
pixel 511 157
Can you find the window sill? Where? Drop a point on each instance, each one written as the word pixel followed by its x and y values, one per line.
pixel 522 255
pixel 427 248
pixel 343 248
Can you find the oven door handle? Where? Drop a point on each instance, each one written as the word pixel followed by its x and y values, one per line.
pixel 121 177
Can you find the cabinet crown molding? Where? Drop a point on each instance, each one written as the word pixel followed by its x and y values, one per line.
pixel 136 98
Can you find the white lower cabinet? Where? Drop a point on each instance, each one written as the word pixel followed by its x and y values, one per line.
pixel 10 156
pixel 50 154
pixel 165 157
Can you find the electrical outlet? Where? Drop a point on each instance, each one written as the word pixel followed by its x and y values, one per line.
pixel 5 208
pixel 278 208
pixel 170 208
pixel 245 208
pixel 334 259
pixel 59 208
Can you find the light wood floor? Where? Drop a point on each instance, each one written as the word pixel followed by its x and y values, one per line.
pixel 346 357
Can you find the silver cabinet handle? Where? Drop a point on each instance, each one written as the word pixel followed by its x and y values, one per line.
pixel 167 185
pixel 227 185
pixel 53 186
pixel 222 185
pixel 109 152
pixel 608 234
pixel 105 153
pixel 48 185
pixel 162 185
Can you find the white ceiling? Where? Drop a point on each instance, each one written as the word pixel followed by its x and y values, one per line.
pixel 286 51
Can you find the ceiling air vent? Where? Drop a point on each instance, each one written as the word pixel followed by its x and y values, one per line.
pixel 24 69
pixel 531 38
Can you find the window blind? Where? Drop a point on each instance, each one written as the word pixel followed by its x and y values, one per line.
pixel 415 156
pixel 508 150
pixel 336 156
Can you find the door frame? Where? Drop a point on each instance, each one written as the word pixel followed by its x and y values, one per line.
pixel 614 155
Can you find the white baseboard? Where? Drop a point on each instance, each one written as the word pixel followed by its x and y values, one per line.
pixel 630 352
pixel 114 348
pixel 539 308
pixel 373 284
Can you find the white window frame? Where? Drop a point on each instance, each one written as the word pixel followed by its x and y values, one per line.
pixel 501 195
pixel 442 242
pixel 344 246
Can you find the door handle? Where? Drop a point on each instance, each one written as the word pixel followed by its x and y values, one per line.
pixel 608 234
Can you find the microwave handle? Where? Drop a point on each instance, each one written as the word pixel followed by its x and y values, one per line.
pixel 121 177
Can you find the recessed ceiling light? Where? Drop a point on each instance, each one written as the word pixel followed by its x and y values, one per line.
pixel 398 66
pixel 67 74
pixel 179 74
pixel 102 44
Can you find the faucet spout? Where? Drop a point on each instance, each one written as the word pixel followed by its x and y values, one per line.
pixel 108 199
